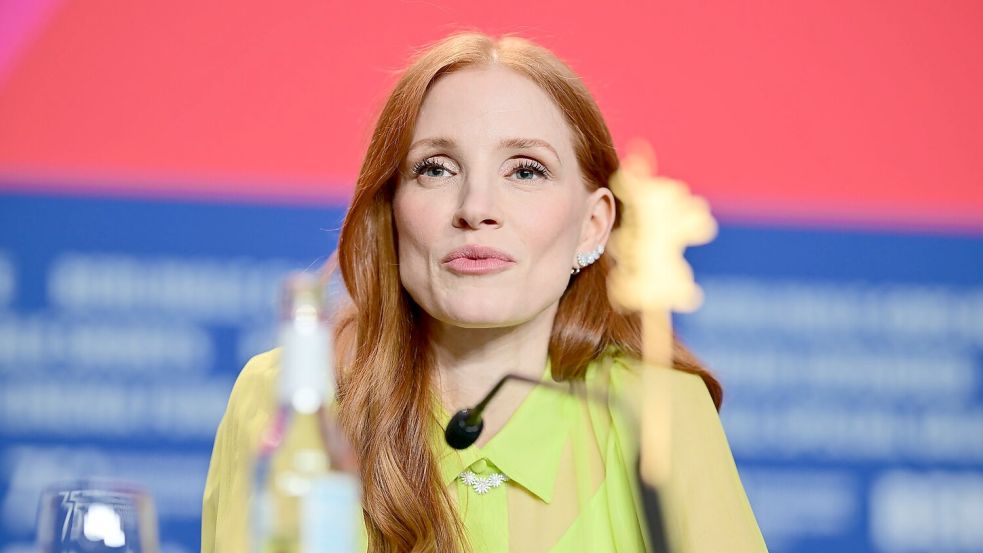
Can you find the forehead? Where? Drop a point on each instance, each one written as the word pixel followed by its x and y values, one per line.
pixel 480 106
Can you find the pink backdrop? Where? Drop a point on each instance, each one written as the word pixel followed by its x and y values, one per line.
pixel 843 113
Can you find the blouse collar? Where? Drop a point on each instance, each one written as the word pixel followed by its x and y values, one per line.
pixel 527 449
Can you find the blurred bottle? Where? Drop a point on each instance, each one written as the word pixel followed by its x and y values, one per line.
pixel 307 496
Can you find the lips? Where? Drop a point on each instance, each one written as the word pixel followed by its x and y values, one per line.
pixel 477 260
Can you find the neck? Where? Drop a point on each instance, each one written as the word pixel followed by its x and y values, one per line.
pixel 471 360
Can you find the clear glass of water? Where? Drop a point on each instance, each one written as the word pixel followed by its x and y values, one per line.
pixel 96 516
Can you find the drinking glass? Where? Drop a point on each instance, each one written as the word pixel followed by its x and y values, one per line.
pixel 96 516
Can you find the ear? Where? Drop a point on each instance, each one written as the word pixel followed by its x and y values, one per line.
pixel 598 220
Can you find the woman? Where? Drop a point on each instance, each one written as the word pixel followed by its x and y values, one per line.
pixel 473 248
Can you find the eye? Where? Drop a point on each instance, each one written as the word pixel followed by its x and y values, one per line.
pixel 430 167
pixel 529 169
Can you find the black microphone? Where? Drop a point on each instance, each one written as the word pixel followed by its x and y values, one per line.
pixel 466 425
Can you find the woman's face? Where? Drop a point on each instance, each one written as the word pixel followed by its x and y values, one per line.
pixel 491 208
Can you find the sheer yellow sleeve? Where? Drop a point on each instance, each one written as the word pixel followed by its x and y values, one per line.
pixel 710 510
pixel 225 502
pixel 704 504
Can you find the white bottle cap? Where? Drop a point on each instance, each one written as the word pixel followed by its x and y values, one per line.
pixel 306 369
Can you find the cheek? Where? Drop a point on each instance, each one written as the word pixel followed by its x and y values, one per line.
pixel 551 231
pixel 414 221
pixel 417 220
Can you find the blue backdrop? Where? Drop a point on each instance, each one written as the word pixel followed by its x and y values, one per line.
pixel 851 362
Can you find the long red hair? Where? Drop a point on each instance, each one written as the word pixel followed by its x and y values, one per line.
pixel 385 383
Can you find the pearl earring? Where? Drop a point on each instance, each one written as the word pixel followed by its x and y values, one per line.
pixel 585 259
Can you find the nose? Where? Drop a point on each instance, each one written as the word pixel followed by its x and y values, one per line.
pixel 477 207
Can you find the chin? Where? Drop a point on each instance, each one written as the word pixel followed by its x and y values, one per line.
pixel 479 314
pixel 488 306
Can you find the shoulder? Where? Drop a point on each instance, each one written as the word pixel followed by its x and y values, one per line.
pixel 260 368
pixel 622 373
pixel 224 520
pixel 256 380
pixel 251 402
pixel 250 406
pixel 619 380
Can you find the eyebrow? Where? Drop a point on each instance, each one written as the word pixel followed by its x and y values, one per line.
pixel 510 143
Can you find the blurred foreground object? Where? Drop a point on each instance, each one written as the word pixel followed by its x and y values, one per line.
pixel 660 218
pixel 307 495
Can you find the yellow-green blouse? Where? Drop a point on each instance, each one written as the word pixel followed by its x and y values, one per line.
pixel 569 462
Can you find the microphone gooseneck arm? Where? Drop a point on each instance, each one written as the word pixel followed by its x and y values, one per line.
pixel 466 425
